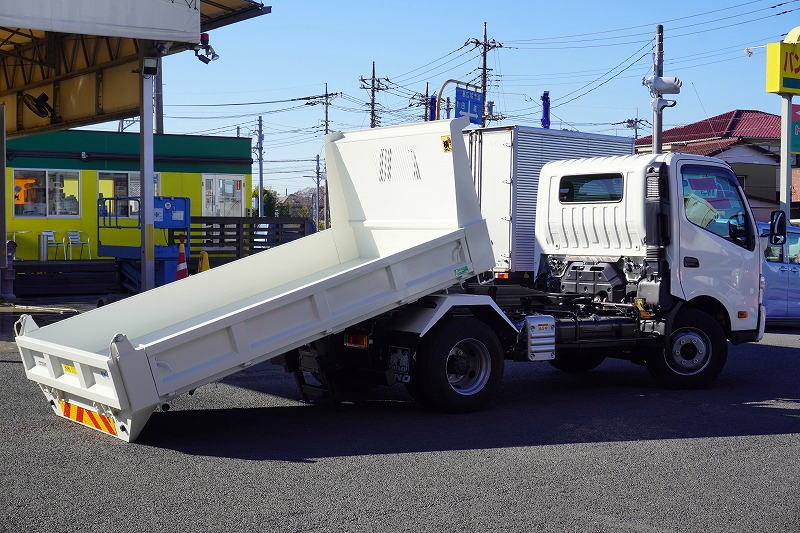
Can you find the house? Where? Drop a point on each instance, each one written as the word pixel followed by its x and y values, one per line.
pixel 56 179
pixel 748 140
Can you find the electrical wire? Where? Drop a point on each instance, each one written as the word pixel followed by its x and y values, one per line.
pixel 299 99
pixel 400 76
pixel 650 24
pixel 615 67
pixel 600 84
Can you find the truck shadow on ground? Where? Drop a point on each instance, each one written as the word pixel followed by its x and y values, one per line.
pixel 756 395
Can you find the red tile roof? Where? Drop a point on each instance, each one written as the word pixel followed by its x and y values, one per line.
pixel 706 147
pixel 736 123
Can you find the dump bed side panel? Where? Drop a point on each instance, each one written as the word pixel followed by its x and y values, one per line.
pixel 211 351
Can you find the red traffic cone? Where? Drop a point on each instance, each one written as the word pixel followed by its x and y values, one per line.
pixel 183 269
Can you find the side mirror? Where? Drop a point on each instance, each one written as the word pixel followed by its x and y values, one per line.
pixel 777 228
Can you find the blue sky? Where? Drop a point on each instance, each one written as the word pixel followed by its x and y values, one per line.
pixel 591 56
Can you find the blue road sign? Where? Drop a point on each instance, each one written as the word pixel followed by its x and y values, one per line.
pixel 469 103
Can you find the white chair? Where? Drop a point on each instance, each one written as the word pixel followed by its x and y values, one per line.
pixel 53 243
pixel 74 239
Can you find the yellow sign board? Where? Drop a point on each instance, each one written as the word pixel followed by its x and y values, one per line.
pixel 783 68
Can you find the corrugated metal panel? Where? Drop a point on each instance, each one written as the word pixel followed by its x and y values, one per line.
pixel 533 148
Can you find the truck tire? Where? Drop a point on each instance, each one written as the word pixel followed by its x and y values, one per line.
pixel 459 366
pixel 576 364
pixel 695 352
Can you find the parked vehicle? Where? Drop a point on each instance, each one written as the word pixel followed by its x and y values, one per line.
pixel 654 259
pixel 782 277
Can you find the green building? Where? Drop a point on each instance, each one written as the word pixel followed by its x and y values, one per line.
pixel 54 180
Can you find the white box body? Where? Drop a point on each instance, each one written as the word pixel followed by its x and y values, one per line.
pixel 506 162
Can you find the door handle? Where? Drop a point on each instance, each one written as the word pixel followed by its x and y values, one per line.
pixel 691 262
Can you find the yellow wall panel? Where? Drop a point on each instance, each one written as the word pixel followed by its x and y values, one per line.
pixel 188 184
pixel 78 97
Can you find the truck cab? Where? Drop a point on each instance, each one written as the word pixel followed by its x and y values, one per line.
pixel 671 234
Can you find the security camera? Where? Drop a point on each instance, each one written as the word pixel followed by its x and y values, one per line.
pixel 150 66
pixel 163 47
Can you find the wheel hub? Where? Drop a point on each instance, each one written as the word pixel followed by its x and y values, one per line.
pixel 690 351
pixel 468 367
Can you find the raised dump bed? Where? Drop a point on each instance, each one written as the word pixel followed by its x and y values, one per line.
pixel 405 223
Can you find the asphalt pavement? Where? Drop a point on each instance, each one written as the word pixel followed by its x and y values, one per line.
pixel 606 451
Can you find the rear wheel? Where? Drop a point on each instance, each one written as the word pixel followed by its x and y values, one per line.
pixel 576 364
pixel 459 366
pixel 695 352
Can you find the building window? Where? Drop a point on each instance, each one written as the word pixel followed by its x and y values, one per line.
pixel 121 185
pixel 43 193
pixel 223 195
pixel 590 188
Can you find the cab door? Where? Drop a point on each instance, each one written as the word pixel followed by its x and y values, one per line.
pixel 717 252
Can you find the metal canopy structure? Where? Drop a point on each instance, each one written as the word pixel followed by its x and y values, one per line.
pixel 66 64
pixel 85 75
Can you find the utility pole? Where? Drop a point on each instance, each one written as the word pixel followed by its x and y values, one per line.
pixel 326 104
pixel 374 86
pixel 159 99
pixel 486 46
pixel 316 203
pixel 659 86
pixel 632 124
pixel 425 103
pixel 658 71
pixel 373 119
pixel 260 148
pixel 448 107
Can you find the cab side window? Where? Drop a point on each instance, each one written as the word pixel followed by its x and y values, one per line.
pixel 712 201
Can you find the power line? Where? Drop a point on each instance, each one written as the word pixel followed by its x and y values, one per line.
pixel 430 72
pixel 399 76
pixel 594 39
pixel 615 67
pixel 243 115
pixel 637 26
pixel 602 83
pixel 299 99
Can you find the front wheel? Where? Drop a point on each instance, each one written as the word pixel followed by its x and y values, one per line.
pixel 459 366
pixel 694 354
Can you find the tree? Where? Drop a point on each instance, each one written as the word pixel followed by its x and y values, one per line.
pixel 284 210
pixel 270 202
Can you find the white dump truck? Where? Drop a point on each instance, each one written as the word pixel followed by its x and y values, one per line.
pixel 649 258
